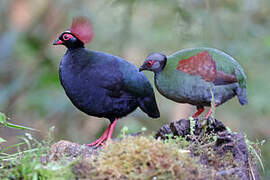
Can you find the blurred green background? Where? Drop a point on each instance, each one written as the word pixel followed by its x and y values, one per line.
pixel 31 94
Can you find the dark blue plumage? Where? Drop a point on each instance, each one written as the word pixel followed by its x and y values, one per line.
pixel 100 84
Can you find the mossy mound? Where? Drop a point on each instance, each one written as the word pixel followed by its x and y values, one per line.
pixel 178 151
pixel 142 158
pixel 181 150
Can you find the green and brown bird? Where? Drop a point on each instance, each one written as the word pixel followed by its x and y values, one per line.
pixel 193 75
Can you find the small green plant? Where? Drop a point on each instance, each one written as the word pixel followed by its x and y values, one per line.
pixel 177 140
pixel 2 140
pixel 125 131
pixel 28 145
pixel 192 125
pixel 4 122
pixel 229 129
pixel 213 105
pixel 252 148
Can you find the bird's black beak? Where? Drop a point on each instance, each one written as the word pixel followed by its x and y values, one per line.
pixel 57 42
pixel 142 68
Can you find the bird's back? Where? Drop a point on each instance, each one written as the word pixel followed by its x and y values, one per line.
pixel 138 85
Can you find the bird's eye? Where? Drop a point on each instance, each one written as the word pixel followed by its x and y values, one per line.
pixel 66 37
pixel 150 63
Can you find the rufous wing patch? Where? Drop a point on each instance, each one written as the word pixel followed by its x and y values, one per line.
pixel 203 65
pixel 223 78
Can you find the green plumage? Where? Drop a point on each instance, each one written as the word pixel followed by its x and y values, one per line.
pixel 224 62
pixel 185 87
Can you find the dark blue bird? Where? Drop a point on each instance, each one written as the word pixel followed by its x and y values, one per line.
pixel 100 84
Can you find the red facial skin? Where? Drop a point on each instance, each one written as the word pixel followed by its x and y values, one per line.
pixel 150 63
pixel 66 37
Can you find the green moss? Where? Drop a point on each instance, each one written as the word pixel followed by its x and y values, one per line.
pixel 143 158
pixel 132 157
pixel 179 140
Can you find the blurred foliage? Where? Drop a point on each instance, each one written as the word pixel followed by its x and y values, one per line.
pixel 31 92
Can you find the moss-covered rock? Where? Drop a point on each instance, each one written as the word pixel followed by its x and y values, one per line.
pixel 184 149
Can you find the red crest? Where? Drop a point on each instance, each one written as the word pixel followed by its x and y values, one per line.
pixel 82 29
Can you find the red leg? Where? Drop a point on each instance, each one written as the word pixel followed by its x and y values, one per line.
pixel 199 111
pixel 111 131
pixel 101 139
pixel 210 111
pixel 106 135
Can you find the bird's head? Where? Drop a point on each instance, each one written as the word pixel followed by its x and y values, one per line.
pixel 154 62
pixel 80 33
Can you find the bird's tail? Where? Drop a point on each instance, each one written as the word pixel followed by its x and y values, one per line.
pixel 242 95
pixel 149 106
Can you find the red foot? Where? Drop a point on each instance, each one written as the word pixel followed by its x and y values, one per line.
pixel 101 139
pixel 106 135
pixel 199 111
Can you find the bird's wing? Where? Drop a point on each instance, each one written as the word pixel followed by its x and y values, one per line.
pixel 202 64
pixel 119 77
pixel 109 78
pixel 136 83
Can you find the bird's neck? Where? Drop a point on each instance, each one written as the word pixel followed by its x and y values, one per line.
pixel 74 50
pixel 75 45
pixel 159 70
pixel 156 74
pixel 78 56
